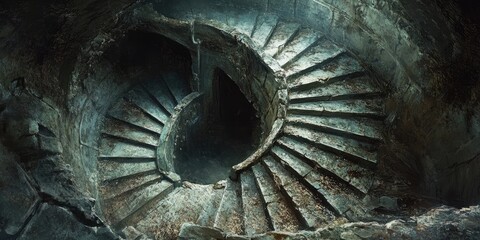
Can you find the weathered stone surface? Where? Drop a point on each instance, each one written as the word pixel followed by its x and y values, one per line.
pixel 279 212
pixel 364 128
pixel 282 34
pixel 118 210
pixel 53 222
pixel 357 176
pixel 132 233
pixel 356 151
pixel 313 213
pixel 254 216
pixel 314 56
pixel 165 218
pixel 302 40
pixel 18 198
pixel 56 182
pixel 265 25
pixel 128 112
pixel 341 67
pixel 230 212
pixel 191 231
pixel 351 88
pixel 439 223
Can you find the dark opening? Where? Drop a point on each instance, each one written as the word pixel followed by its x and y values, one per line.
pixel 228 136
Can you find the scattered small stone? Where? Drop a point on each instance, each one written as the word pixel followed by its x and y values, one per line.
pixel 220 184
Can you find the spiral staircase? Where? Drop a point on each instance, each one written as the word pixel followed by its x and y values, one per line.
pixel 319 169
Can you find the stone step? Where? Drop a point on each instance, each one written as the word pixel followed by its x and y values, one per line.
pixel 114 170
pixel 303 41
pixel 357 88
pixel 117 210
pixel 159 90
pixel 360 178
pixel 264 28
pixel 369 108
pixel 364 129
pixel 242 21
pixel 120 129
pixel 164 218
pixel 126 185
pixel 118 148
pixel 341 67
pixel 361 153
pixel 336 194
pixel 315 57
pixel 282 34
pixel 282 217
pixel 340 197
pixel 177 85
pixel 229 216
pixel 144 101
pixel 311 210
pixel 255 218
pixel 208 214
pixel 130 113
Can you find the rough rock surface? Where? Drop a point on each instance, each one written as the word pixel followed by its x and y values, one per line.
pixel 18 198
pixel 439 223
pixel 54 222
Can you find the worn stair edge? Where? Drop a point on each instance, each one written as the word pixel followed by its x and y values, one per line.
pixel 358 187
pixel 311 211
pixel 371 137
pixel 255 218
pixel 136 215
pixel 340 201
pixel 279 40
pixel 358 154
pixel 229 216
pixel 280 215
pixel 112 189
pixel 256 157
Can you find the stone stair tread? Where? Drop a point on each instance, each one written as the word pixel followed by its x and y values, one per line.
pixel 304 39
pixel 229 216
pixel 120 208
pixel 325 185
pixel 165 217
pixel 318 54
pixel 140 97
pixel 359 152
pixel 159 90
pixel 130 113
pixel 362 127
pixel 361 108
pixel 117 187
pixel 116 148
pixel 338 196
pixel 351 173
pixel 352 88
pixel 340 68
pixel 177 86
pixel 113 170
pixel 126 131
pixel 255 218
pixel 313 213
pixel 242 21
pixel 283 32
pixel 282 217
pixel 263 30
pixel 207 216
pixel 301 167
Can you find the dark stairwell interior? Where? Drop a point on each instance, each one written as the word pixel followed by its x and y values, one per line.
pixel 229 134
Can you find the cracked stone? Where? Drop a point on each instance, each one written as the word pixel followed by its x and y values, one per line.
pixel 53 222
pixel 17 196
